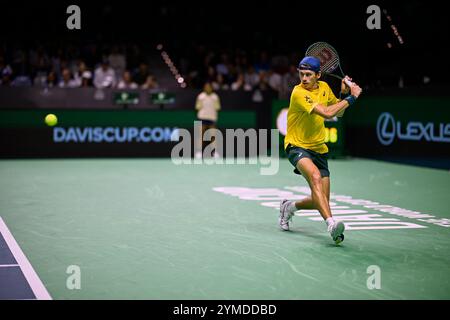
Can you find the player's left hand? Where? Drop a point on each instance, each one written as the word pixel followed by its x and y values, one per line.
pixel 345 89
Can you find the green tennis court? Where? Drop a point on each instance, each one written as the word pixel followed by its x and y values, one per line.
pixel 149 229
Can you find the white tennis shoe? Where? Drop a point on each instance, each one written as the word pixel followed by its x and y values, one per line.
pixel 336 231
pixel 285 216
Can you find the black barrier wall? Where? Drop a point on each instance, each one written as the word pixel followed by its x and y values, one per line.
pixel 119 133
pixel 412 128
pixel 92 127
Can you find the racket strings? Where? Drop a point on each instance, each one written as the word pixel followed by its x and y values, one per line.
pixel 328 57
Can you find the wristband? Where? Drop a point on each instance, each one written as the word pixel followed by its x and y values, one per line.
pixel 351 100
pixel 342 96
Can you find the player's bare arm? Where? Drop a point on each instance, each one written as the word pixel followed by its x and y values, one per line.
pixel 331 111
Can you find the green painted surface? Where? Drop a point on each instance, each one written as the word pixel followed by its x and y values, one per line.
pixel 147 229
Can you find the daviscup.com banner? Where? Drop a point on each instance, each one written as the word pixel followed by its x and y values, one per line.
pixel 114 134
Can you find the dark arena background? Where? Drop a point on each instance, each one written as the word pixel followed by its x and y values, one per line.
pixel 98 203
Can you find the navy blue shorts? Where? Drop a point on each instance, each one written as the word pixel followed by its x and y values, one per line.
pixel 319 159
pixel 207 122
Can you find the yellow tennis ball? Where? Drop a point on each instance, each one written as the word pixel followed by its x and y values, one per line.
pixel 51 120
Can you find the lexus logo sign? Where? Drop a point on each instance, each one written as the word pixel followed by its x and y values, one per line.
pixel 386 128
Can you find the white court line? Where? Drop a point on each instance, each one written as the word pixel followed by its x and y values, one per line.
pixel 8 265
pixel 315 212
pixel 35 283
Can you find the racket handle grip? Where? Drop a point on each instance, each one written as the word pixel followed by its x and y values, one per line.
pixel 348 82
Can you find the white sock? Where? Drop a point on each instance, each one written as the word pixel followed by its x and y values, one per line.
pixel 291 207
pixel 330 221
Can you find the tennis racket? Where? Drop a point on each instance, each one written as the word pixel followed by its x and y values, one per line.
pixel 329 60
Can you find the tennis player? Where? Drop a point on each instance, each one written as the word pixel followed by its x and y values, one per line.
pixel 312 101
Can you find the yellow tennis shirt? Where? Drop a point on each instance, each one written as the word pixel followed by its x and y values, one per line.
pixel 306 129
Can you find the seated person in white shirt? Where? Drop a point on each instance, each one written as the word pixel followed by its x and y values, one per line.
pixel 104 76
pixel 126 82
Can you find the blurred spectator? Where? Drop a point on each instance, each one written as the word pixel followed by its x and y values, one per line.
pixel 219 83
pixel 21 69
pixel 211 74
pixel 19 62
pixel 104 76
pixel 232 74
pixel 51 80
pixel 83 76
pixel 134 56
pixel 141 74
pixel 242 61
pixel 40 79
pixel 5 73
pixel 290 80
pixel 280 64
pixel 251 77
pixel 275 80
pixel 25 63
pixel 90 54
pixel 67 81
pixel 263 63
pixel 21 80
pixel 57 62
pixel 117 61
pixel 150 83
pixel 222 66
pixel 40 65
pixel 263 83
pixel 86 79
pixel 126 82
pixel 240 84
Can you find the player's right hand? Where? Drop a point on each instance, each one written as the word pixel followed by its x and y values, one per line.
pixel 355 90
